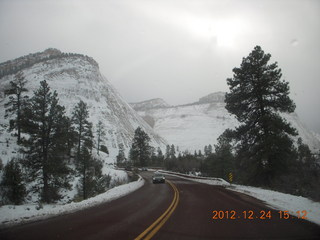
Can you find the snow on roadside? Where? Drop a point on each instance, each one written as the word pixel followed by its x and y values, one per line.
pixel 273 199
pixel 283 201
pixel 209 181
pixel 10 214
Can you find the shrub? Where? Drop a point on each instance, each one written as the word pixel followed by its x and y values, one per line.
pixel 12 185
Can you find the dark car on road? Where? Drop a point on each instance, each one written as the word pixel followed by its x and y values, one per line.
pixel 158 178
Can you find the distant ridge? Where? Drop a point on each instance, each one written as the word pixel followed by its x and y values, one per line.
pixel 195 125
pixel 213 97
pixel 150 104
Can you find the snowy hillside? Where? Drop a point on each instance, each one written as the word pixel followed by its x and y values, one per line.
pixel 76 77
pixel 193 126
pixel 150 104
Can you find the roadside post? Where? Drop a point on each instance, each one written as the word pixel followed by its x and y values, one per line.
pixel 230 177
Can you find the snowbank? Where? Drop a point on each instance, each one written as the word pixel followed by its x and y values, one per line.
pixel 10 214
pixel 283 201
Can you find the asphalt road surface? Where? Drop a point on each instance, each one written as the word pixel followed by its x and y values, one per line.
pixel 181 210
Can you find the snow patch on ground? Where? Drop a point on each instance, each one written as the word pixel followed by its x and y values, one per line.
pixel 283 201
pixel 10 214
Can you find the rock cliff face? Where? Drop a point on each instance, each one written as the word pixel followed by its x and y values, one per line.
pixel 213 97
pixel 150 104
pixel 76 77
pixel 192 126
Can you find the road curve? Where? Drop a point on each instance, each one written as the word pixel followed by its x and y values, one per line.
pixel 124 218
pixel 192 218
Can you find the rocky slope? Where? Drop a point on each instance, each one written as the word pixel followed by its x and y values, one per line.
pixel 149 104
pixel 76 77
pixel 192 126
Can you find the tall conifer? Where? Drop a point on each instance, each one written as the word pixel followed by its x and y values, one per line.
pixel 46 148
pixel 257 95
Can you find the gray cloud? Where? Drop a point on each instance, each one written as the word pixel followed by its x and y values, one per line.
pixel 177 50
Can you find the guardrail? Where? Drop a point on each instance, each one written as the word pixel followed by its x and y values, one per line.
pixel 191 176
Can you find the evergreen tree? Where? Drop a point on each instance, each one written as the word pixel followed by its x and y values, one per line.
pixel 104 148
pixel 46 147
pixel 304 153
pixel 100 134
pixel 160 154
pixel 84 160
pixel 205 150
pixel 153 158
pixel 92 180
pixel 172 152
pixel 83 128
pixel 256 97
pixel 141 150
pixel 209 149
pixel 121 156
pixel 70 135
pixel 102 184
pixel 223 157
pixel 167 152
pixel 17 102
pixel 12 185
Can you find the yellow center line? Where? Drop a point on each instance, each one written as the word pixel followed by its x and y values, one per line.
pixel 155 227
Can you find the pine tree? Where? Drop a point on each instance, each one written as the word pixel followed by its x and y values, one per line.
pixel 104 148
pixel 12 185
pixel 92 181
pixel 304 153
pixel 83 127
pixel 205 150
pixel 159 159
pixel 84 160
pixel 153 158
pixel 17 102
pixel 71 137
pixel 223 157
pixel 209 149
pixel 256 97
pixel 160 154
pixel 172 152
pixel 167 156
pixel 140 152
pixel 46 147
pixel 86 170
pixel 100 134
pixel 121 156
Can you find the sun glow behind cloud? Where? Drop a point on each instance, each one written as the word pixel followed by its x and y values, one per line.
pixel 223 31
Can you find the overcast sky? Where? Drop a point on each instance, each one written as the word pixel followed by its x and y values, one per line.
pixel 175 50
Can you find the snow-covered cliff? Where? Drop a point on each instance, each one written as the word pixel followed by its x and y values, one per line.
pixel 76 77
pixel 192 126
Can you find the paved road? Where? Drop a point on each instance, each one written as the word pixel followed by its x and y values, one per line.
pixel 193 217
pixel 124 218
pixel 129 216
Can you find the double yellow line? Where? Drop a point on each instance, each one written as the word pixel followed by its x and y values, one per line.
pixel 155 227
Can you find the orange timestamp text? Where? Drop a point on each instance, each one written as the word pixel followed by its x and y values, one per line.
pixel 263 214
